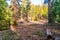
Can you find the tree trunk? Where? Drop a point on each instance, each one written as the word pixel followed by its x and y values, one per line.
pixel 14 9
pixel 50 18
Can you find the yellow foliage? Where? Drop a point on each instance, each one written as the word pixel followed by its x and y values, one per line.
pixel 36 11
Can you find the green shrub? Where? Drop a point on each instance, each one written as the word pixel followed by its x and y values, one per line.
pixel 39 33
pixel 9 35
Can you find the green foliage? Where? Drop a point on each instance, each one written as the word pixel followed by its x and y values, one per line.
pixel 39 33
pixel 8 35
pixel 19 12
pixel 33 11
pixel 5 15
pixel 9 15
pixel 58 18
pixel 37 11
pixel 55 11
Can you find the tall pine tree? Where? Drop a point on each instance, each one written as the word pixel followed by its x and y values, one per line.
pixel 3 15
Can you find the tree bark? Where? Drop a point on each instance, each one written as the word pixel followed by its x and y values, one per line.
pixel 14 11
pixel 50 18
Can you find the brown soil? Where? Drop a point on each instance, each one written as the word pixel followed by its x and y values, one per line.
pixel 25 31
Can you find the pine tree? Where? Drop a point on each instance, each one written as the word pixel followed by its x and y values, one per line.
pixel 55 10
pixel 27 9
pixel 3 15
pixel 49 14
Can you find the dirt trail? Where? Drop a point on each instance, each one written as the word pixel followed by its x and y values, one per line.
pixel 25 30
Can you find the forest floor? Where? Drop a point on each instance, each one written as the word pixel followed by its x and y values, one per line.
pixel 36 30
pixel 32 30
